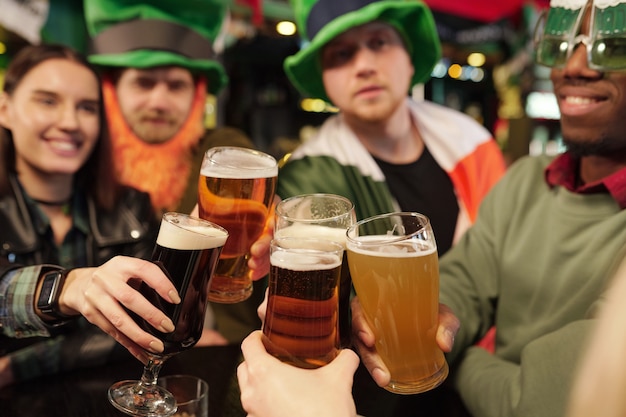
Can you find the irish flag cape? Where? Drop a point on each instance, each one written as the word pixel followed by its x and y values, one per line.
pixel 334 161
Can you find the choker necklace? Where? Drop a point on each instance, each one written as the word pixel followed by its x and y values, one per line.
pixel 65 204
pixel 52 203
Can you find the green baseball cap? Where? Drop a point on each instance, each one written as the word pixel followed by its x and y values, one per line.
pixel 320 21
pixel 127 33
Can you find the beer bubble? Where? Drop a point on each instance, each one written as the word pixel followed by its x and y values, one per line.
pixel 174 235
pixel 304 260
pixel 394 249
pixel 382 245
pixel 239 163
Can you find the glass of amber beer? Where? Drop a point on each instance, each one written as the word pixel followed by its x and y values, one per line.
pixel 324 216
pixel 301 322
pixel 235 190
pixel 395 271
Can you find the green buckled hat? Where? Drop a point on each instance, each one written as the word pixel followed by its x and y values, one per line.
pixel 127 33
pixel 320 21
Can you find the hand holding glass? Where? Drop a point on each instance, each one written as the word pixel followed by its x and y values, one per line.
pixel 235 189
pixel 187 250
pixel 394 266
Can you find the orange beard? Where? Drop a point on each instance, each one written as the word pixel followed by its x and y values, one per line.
pixel 162 170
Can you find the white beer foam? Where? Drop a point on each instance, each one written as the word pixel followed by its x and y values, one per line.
pixel 237 164
pixel 313 231
pixel 188 237
pixel 405 249
pixel 304 260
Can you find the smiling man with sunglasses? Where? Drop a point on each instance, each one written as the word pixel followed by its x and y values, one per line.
pixel 560 31
pixel 585 44
pixel 538 272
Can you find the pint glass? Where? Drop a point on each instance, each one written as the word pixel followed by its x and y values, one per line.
pixel 235 190
pixel 395 270
pixel 301 326
pixel 326 216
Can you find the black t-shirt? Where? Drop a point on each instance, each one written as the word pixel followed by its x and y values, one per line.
pixel 423 186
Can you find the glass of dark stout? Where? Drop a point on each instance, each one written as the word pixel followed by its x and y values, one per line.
pixel 187 250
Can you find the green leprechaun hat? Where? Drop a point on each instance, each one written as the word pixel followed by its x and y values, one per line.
pixel 127 33
pixel 609 19
pixel 563 17
pixel 320 21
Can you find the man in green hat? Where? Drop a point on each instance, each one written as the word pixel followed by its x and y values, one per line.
pixel 536 263
pixel 158 65
pixel 365 57
pixel 384 150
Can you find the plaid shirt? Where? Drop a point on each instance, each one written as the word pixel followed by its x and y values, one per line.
pixel 17 288
pixel 563 171
pixel 79 343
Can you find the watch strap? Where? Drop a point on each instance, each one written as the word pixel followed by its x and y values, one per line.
pixel 48 301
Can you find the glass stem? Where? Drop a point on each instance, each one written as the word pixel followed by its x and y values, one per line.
pixel 151 372
pixel 146 391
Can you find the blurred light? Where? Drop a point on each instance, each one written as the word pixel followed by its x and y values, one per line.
pixel 455 71
pixel 476 59
pixel 3 48
pixel 286 28
pixel 440 70
pixel 316 105
pixel 601 47
pixel 466 72
pixel 542 105
pixel 313 105
pixel 477 75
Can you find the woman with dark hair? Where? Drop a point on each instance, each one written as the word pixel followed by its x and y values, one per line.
pixel 95 175
pixel 64 222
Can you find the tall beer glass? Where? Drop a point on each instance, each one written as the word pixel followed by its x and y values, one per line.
pixel 326 216
pixel 395 271
pixel 235 190
pixel 300 325
pixel 187 250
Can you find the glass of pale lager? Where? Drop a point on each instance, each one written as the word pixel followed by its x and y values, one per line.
pixel 235 190
pixel 301 322
pixel 324 216
pixel 395 271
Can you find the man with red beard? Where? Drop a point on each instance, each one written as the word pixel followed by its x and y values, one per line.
pixel 158 65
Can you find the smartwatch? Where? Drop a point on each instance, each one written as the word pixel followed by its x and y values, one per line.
pixel 48 301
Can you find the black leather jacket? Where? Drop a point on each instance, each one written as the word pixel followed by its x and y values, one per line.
pixel 130 229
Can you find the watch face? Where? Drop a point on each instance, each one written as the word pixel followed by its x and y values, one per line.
pixel 47 289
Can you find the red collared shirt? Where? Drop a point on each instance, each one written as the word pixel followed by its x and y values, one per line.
pixel 563 171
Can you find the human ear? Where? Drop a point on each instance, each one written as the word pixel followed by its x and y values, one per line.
pixel 5 106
